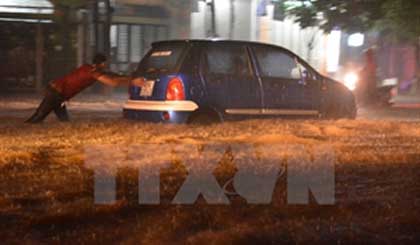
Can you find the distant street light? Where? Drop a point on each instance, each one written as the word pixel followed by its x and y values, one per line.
pixel 356 40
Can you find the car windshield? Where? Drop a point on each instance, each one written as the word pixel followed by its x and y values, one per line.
pixel 162 59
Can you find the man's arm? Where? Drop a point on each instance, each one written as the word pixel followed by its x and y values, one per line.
pixel 113 80
pixel 116 80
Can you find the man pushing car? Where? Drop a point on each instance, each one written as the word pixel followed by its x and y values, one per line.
pixel 65 88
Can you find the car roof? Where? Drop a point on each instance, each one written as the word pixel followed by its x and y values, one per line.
pixel 221 41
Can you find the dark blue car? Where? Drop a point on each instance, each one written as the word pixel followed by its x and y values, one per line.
pixel 213 81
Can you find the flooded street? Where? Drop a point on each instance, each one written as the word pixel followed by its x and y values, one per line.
pixel 48 195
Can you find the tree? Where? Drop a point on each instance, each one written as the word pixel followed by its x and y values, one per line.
pixel 400 19
pixel 329 14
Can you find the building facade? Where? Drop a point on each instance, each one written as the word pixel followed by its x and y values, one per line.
pixel 126 28
pixel 23 27
pixel 133 27
pixel 260 20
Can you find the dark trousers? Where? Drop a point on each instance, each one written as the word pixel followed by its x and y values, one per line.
pixel 52 101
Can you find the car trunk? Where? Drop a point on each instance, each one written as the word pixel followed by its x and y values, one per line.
pixel 158 67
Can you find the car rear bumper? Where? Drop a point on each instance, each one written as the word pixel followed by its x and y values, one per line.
pixel 159 111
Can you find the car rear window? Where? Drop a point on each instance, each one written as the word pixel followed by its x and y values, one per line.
pixel 162 59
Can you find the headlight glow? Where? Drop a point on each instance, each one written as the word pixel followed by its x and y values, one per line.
pixel 350 80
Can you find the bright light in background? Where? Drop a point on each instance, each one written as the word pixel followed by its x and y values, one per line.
pixel 220 4
pixel 25 10
pixel 27 3
pixel 356 40
pixel 26 20
pixel 294 3
pixel 350 80
pixel 113 36
pixel 333 51
pixel 26 6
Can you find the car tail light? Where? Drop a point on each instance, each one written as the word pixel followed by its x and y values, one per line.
pixel 175 90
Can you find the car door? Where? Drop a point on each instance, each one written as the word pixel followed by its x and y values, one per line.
pixel 285 90
pixel 230 79
pixel 310 84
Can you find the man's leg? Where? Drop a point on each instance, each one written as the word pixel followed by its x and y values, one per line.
pixel 48 104
pixel 42 112
pixel 61 113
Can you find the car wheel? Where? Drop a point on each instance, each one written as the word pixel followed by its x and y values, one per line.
pixel 332 112
pixel 337 111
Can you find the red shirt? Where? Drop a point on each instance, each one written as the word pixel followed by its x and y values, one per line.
pixel 79 79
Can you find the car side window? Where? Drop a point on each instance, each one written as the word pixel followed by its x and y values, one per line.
pixel 276 63
pixel 227 60
pixel 306 72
